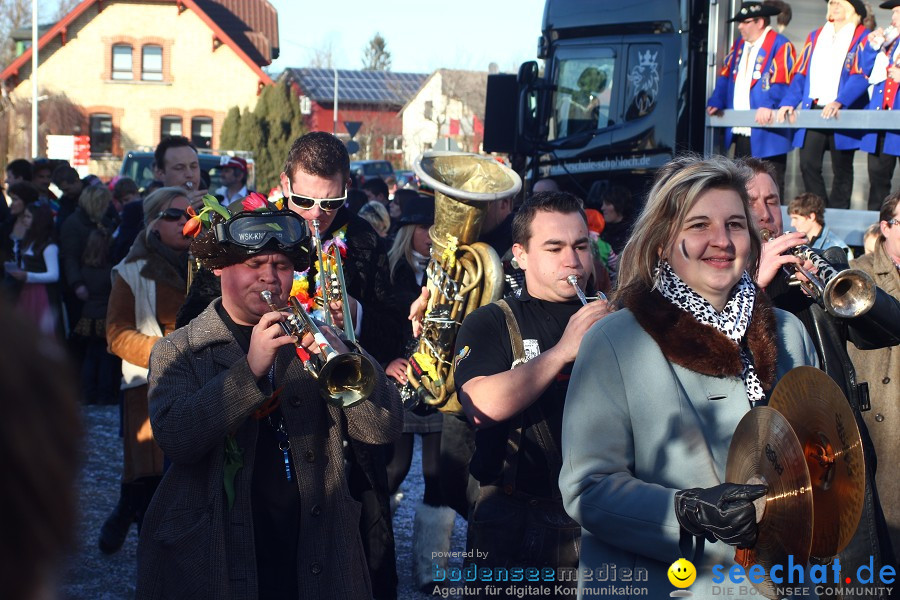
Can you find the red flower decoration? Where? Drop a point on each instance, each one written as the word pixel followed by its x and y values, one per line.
pixel 193 226
pixel 254 201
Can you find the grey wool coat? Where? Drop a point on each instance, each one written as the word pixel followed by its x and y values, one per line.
pixel 191 544
pixel 653 402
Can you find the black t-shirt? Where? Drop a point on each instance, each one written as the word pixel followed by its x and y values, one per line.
pixel 275 501
pixel 482 349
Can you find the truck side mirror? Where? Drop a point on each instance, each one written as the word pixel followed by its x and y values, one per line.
pixel 528 74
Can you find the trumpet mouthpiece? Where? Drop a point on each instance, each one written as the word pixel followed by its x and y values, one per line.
pixel 266 295
pixel 573 279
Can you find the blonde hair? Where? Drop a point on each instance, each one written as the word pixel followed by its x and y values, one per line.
pixel 157 202
pixel 94 201
pixel 401 248
pixel 678 186
pixel 377 215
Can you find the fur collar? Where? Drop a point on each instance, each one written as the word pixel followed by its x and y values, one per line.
pixel 701 348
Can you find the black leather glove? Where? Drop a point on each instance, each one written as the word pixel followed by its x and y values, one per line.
pixel 724 512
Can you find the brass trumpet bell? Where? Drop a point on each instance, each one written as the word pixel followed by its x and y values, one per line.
pixel 345 379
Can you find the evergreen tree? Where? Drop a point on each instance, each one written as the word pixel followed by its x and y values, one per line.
pixel 275 122
pixel 231 129
pixel 376 56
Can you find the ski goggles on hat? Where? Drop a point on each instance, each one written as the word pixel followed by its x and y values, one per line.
pixel 254 231
pixel 327 204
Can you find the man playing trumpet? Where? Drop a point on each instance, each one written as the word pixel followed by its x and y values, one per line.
pixel 256 502
pixel 516 402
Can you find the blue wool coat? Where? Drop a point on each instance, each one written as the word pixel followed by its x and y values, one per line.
pixel 851 90
pixel 638 427
pixel 867 56
pixel 772 73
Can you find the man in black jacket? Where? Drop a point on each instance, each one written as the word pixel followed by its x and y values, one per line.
pixel 877 328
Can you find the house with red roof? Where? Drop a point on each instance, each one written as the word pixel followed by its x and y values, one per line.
pixel 142 69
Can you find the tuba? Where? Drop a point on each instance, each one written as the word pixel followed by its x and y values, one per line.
pixel 345 379
pixel 845 294
pixel 463 274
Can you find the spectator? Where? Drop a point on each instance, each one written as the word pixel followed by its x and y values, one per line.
pixel 41 177
pixel 100 369
pixel 755 76
pixel 40 441
pixel 614 204
pixel 878 58
pixel 545 185
pixel 18 170
pixel 12 230
pixel 176 164
pixel 356 199
pixel 148 288
pixel 433 522
pixel 131 218
pixel 870 238
pixel 881 367
pixel 37 269
pixel 234 180
pixel 807 213
pixel 377 215
pixel 828 78
pixel 376 189
pixel 67 180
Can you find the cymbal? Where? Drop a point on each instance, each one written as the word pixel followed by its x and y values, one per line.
pixel 764 449
pixel 821 417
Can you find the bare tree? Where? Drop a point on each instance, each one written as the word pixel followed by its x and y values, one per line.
pixel 376 56
pixel 13 15
pixel 323 58
pixel 463 95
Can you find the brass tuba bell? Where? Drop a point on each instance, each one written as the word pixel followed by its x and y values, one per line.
pixel 463 274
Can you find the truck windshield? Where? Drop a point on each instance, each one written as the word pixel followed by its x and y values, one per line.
pixel 583 94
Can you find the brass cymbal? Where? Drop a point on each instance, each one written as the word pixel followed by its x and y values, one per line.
pixel 821 417
pixel 764 449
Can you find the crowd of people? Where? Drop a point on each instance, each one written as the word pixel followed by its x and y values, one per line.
pixel 245 482
pixel 844 64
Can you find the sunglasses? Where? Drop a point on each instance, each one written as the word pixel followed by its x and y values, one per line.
pixel 893 222
pixel 326 204
pixel 173 214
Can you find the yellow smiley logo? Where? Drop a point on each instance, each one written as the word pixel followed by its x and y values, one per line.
pixel 682 573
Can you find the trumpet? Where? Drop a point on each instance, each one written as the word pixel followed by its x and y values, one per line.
pixel 846 293
pixel 332 282
pixel 345 379
pixel 573 279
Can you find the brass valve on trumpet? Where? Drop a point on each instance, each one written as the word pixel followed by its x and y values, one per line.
pixel 846 293
pixel 345 379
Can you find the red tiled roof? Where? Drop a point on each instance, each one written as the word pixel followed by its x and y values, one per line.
pixel 249 51
pixel 252 24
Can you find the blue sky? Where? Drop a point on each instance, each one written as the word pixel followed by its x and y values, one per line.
pixel 421 36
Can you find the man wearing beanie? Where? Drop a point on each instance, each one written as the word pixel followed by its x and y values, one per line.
pixel 255 503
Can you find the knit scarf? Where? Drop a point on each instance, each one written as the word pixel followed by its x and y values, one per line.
pixel 733 321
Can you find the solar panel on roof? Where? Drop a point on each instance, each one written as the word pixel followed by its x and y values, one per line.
pixel 378 87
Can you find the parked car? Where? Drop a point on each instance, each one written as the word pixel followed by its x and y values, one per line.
pixel 406 179
pixel 366 169
pixel 139 166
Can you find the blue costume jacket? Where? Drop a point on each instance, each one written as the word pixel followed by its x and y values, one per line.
pixel 850 90
pixel 877 75
pixel 771 77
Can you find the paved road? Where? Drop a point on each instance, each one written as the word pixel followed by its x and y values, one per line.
pixel 91 575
